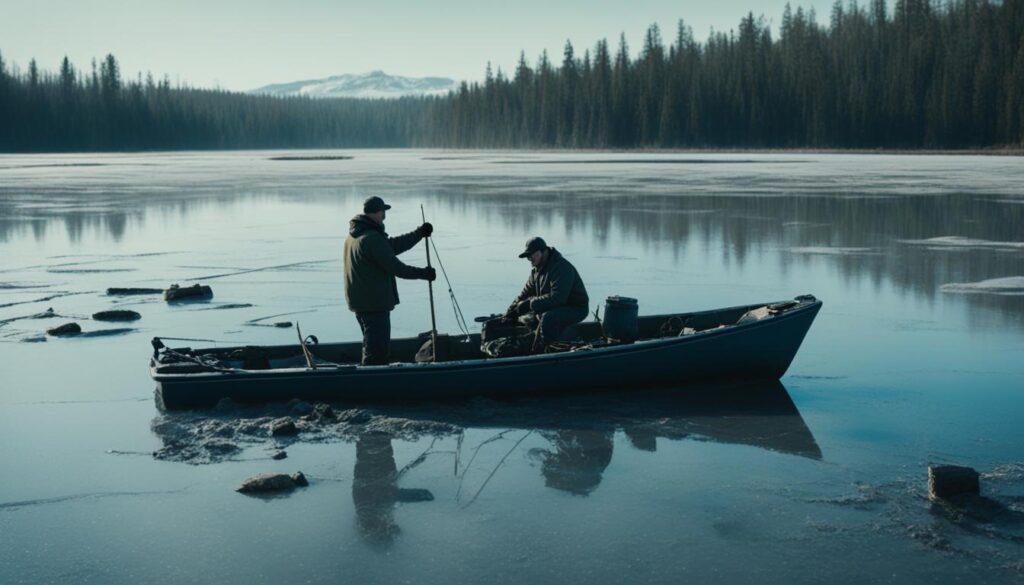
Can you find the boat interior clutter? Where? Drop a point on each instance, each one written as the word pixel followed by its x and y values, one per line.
pixel 499 338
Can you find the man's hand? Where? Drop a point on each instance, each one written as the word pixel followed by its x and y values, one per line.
pixel 425 230
pixel 522 307
pixel 431 274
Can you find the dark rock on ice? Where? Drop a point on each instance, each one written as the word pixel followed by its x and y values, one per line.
pixel 284 426
pixel 948 481
pixel 196 291
pixel 279 455
pixel 65 329
pixel 117 315
pixel 272 482
pixel 322 412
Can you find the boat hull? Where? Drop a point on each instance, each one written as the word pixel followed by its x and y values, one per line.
pixel 761 350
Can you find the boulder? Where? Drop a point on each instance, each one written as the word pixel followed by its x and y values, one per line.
pixel 271 482
pixel 65 329
pixel 117 315
pixel 950 481
pixel 281 427
pixel 322 412
pixel 196 291
pixel 279 455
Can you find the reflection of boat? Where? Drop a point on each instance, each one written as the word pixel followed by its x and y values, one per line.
pixel 759 414
pixel 720 348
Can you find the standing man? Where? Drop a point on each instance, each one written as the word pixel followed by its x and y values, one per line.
pixel 371 266
pixel 554 292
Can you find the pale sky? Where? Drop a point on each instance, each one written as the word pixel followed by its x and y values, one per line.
pixel 244 44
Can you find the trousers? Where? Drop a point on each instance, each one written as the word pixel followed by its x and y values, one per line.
pixel 554 322
pixel 376 327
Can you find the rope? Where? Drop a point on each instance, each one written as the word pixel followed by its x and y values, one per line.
pixel 460 319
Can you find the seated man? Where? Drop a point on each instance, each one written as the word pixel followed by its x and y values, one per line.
pixel 554 292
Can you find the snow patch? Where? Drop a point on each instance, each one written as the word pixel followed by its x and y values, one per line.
pixel 372 85
pixel 962 242
pixel 1010 285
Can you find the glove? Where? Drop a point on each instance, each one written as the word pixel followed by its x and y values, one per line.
pixel 425 230
pixel 430 274
pixel 522 307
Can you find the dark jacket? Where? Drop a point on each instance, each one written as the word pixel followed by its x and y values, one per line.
pixel 555 284
pixel 371 265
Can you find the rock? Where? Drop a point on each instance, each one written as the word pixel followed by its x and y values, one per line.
pixel 299 407
pixel 47 314
pixel 268 483
pixel 279 455
pixel 948 481
pixel 322 412
pixel 119 315
pixel 283 324
pixel 299 479
pixel 113 292
pixel 196 291
pixel 65 329
pixel 282 427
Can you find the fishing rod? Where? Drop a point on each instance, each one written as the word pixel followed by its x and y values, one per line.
pixel 430 290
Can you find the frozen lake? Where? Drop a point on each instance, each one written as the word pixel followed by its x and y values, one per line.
pixel 916 358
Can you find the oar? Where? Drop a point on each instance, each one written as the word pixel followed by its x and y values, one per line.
pixel 305 350
pixel 430 290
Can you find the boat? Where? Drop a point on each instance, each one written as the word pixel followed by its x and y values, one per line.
pixel 749 342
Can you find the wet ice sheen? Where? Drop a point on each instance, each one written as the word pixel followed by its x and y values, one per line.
pixel 819 478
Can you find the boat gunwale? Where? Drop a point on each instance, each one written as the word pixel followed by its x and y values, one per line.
pixel 346 370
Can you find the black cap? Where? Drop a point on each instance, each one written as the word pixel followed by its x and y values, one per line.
pixel 374 204
pixel 533 245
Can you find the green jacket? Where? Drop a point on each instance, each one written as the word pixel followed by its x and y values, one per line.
pixel 371 265
pixel 555 284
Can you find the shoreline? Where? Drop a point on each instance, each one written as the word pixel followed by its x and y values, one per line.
pixel 993 151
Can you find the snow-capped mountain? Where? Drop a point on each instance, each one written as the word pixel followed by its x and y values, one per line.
pixel 375 84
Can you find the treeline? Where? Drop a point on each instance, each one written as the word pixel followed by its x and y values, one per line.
pixel 922 75
pixel 72 111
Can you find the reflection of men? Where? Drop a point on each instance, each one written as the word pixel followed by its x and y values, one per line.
pixel 375 489
pixel 579 460
pixel 371 265
pixel 554 291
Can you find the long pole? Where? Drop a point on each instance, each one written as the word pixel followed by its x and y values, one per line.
pixel 430 290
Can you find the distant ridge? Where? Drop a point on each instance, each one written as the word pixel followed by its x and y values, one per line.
pixel 375 84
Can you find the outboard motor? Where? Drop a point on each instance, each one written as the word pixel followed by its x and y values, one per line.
pixel 620 319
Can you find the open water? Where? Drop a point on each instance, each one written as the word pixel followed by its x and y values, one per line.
pixel 916 358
